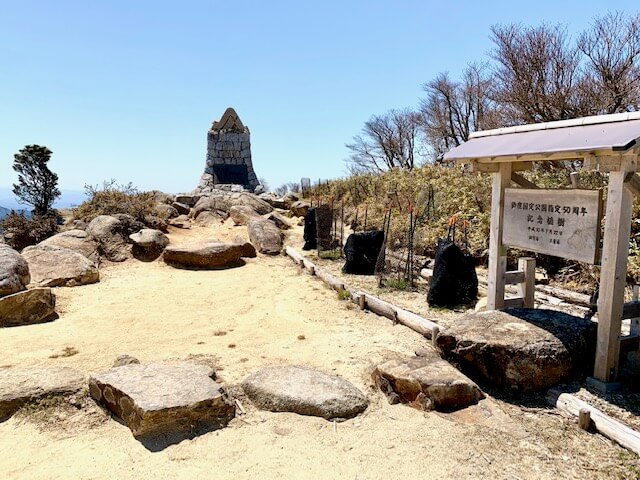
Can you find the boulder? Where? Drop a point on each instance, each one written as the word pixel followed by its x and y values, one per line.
pixel 156 223
pixel 27 307
pixel 148 244
pixel 265 236
pixel 59 267
pixel 204 255
pixel 290 198
pixel 186 199
pixel 240 214
pixel 162 197
pixel 217 204
pixel 248 250
pixel 300 208
pixel 14 271
pixel 181 208
pixel 252 201
pixel 304 391
pixel 518 348
pixel 427 383
pixel 181 221
pixel 163 399
pixel 110 233
pixel 209 219
pixel 77 240
pixel 273 200
pixel 20 386
pixel 129 224
pixel 165 211
pixel 281 222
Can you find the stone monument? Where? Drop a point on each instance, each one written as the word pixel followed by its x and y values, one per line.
pixel 228 165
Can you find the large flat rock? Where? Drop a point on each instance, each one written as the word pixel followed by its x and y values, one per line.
pixel 27 307
pixel 59 267
pixel 76 240
pixel 163 399
pixel 265 235
pixel 304 391
pixel 518 348
pixel 427 383
pixel 19 386
pixel 204 255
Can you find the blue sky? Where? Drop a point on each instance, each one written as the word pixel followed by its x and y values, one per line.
pixel 128 89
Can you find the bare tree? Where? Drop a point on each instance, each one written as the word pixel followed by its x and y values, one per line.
pixel 612 51
pixel 453 110
pixel 387 141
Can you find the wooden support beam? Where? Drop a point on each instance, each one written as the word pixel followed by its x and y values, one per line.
pixel 633 185
pixel 635 320
pixel 527 288
pixel 613 274
pixel 514 277
pixel 515 302
pixel 521 181
pixel 497 251
pixel 607 426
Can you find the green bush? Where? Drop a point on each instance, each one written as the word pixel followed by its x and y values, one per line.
pixel 20 231
pixel 112 198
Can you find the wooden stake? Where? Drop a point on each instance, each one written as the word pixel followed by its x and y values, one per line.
pixel 362 301
pixel 584 419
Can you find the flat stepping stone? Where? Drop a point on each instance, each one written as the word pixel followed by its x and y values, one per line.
pixel 37 305
pixel 304 391
pixel 427 383
pixel 20 386
pixel 171 399
pixel 205 255
pixel 519 348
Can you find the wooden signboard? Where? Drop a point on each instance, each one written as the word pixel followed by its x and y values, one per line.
pixel 563 223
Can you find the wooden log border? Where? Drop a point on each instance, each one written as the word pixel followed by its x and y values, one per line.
pixel 365 300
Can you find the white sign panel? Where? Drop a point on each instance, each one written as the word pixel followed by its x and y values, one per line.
pixel 563 223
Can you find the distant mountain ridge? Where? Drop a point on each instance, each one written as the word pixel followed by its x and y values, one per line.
pixel 4 212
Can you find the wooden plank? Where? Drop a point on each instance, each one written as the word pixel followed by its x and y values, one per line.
pixel 526 289
pixel 635 320
pixel 631 310
pixel 563 223
pixel 514 277
pixel 414 322
pixel 629 343
pixel 495 167
pixel 497 252
pixel 603 163
pixel 613 274
pixel 515 302
pixel 607 426
pixel 521 181
pixel 633 185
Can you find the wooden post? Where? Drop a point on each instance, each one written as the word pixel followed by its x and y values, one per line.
pixel 497 251
pixel 635 322
pixel 614 271
pixel 584 418
pixel 527 288
pixel 362 301
pixel 575 179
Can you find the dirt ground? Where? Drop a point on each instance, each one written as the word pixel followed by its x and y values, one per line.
pixel 267 313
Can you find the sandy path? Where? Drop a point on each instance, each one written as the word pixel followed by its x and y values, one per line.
pixel 250 317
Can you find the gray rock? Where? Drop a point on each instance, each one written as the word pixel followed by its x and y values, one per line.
pixel 165 211
pixel 274 200
pixel 252 201
pixel 59 267
pixel 265 236
pixel 426 382
pixel 125 360
pixel 248 250
pixel 169 398
pixel 304 391
pixel 156 223
pixel 189 200
pixel 300 208
pixel 212 203
pixel 14 271
pixel 150 239
pixel 522 349
pixel 77 240
pixel 181 221
pixel 181 208
pixel 27 307
pixel 240 214
pixel 19 386
pixel 110 233
pixel 281 222
pixel 209 219
pixel 204 255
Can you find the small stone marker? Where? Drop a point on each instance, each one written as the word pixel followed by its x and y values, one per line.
pixel 174 399
pixel 304 391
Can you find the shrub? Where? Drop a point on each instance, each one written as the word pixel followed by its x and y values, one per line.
pixel 112 198
pixel 20 231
